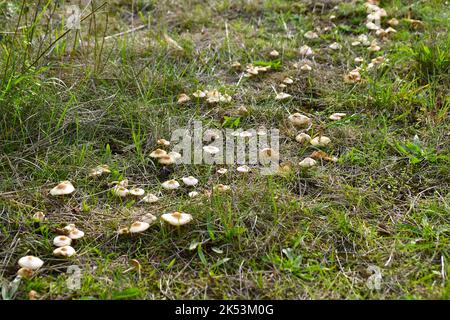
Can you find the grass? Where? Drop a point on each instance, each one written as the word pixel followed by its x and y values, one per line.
pixel 71 101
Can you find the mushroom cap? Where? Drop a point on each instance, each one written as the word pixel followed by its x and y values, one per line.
pixel 39 216
pixel 274 53
pixel 120 191
pixel 177 218
pixel 163 142
pixel 182 98
pixel 243 169
pixel 62 241
pixel 282 96
pixel 166 160
pixel 269 154
pixel 307 162
pixel 222 171
pixel 148 218
pixel 150 198
pixel 222 187
pixel 211 149
pixel 139 226
pixel 306 67
pixel 63 188
pixel 175 155
pixel 306 51
pixel 200 93
pixel 31 262
pixel 337 116
pixel 25 273
pixel 70 227
pixel 138 192
pixel 303 137
pixel 76 234
pixel 193 194
pixel 124 230
pixel 190 181
pixel 335 46
pixel 246 134
pixel 288 80
pixel 311 35
pixel 99 170
pixel 170 184
pixel 66 251
pixel 158 153
pixel 298 119
pixel 320 141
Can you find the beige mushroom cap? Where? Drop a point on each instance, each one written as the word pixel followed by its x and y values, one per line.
pixel 139 226
pixel 31 262
pixel 62 241
pixel 170 184
pixel 311 35
pixel 307 162
pixel 120 191
pixel 190 181
pixel 177 218
pixel 183 98
pixel 166 160
pixel 193 194
pixel 138 192
pixel 66 251
pixel 306 67
pixel 25 273
pixel 39 216
pixel 306 51
pixel 282 96
pixel 222 187
pixel 222 171
pixel 158 153
pixel 211 149
pixel 303 137
pixel 99 170
pixel 163 142
pixel 150 198
pixel 274 53
pixel 76 234
pixel 148 218
pixel 320 141
pixel 243 169
pixel 63 188
pixel 298 119
pixel 337 116
pixel 124 230
pixel 269 154
pixel 200 93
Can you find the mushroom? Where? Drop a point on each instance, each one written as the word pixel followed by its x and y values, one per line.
pixel 139 226
pixel 335 46
pixel 306 67
pixel 200 93
pixel 274 53
pixel 175 155
pixel 393 22
pixel 236 65
pixel 137 192
pixel 183 98
pixel 306 51
pixel 243 169
pixel 267 154
pixel 99 170
pixel 25 273
pixel 299 120
pixel 158 153
pixel 311 35
pixel 123 231
pixel 337 116
pixel 302 138
pixel 166 160
pixel 69 228
pixel 222 171
pixel 76 234
pixel 170 184
pixel 245 134
pixel 353 76
pixel 189 181
pixel 120 191
pixel 39 216
pixel 62 241
pixel 150 198
pixel 320 141
pixel 288 80
pixel 307 162
pixel 177 218
pixel 163 142
pixel 359 60
pixel 63 188
pixel 282 96
pixel 193 194
pixel 66 252
pixel 148 218
pixel 211 149
pixel 222 188
pixel 31 262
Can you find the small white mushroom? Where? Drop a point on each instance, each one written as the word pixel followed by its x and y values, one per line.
pixel 170 184
pixel 193 194
pixel 222 171
pixel 299 120
pixel 211 149
pixel 63 188
pixel 31 262
pixel 311 35
pixel 137 192
pixel 282 96
pixel 190 181
pixel 25 273
pixel 158 153
pixel 337 116
pixel 302 138
pixel 268 154
pixel 150 198
pixel 39 216
pixel 62 241
pixel 288 80
pixel 243 169
pixel 306 51
pixel 222 188
pixel 274 53
pixel 320 141
pixel 183 98
pixel 335 46
pixel 163 142
pixel 177 218
pixel 200 93
pixel 66 252
pixel 99 170
pixel 120 191
pixel 306 67
pixel 166 160
pixel 307 162
pixel 139 226
pixel 148 218
pixel 76 234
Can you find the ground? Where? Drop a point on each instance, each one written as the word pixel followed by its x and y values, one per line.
pixel 73 100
